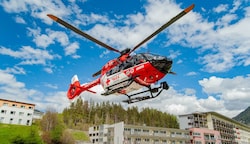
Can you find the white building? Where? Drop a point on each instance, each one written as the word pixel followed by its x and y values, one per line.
pixel 231 131
pixel 14 112
pixel 120 133
pixel 37 114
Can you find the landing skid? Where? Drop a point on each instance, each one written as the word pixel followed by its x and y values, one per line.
pixel 132 99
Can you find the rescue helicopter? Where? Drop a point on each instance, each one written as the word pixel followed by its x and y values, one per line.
pixel 127 73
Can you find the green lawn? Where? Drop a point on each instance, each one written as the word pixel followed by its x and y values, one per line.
pixel 79 135
pixel 10 132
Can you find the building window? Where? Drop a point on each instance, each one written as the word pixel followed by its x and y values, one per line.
pixel 22 106
pixel 3 111
pixel 197 142
pixel 21 113
pixel 29 114
pixel 145 131
pixel 11 120
pixel 196 134
pixel 146 140
pixel 137 139
pixel 1 119
pixel 5 104
pixel 30 107
pixel 14 105
pixel 12 112
pixel 28 122
pixel 19 121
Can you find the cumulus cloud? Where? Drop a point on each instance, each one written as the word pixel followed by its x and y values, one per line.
pixel 229 90
pixel 38 9
pixel 29 55
pixel 71 49
pixel 11 87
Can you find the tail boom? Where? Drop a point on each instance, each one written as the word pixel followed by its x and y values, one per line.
pixel 75 88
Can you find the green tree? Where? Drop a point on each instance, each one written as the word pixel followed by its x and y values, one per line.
pixel 53 128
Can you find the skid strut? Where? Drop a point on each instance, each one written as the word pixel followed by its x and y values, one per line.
pixel 133 99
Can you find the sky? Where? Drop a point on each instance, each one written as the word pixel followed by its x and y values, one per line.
pixel 210 49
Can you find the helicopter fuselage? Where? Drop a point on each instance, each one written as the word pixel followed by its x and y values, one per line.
pixel 137 71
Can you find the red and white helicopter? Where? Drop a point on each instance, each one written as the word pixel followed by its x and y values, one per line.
pixel 127 73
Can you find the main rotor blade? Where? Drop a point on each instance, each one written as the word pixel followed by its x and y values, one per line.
pixel 69 26
pixel 97 73
pixel 181 14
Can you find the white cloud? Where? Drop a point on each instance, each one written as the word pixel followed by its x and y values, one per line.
pixel 51 86
pixel 15 70
pixel 44 40
pixel 20 20
pixel 191 73
pixel 172 101
pixel 71 49
pixel 48 70
pixel 222 44
pixel 221 8
pixel 38 9
pixel 12 89
pixel 29 55
pixel 229 90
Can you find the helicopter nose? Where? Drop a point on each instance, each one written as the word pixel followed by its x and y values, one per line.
pixel 163 65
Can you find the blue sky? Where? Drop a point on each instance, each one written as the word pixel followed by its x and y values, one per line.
pixel 209 47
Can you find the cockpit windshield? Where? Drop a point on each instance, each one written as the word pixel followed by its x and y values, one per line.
pixel 137 59
pixel 150 57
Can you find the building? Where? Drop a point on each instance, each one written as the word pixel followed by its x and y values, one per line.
pixel 120 133
pixel 204 136
pixel 14 112
pixel 231 131
pixel 37 114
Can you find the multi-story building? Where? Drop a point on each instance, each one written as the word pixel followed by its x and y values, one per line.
pixel 231 131
pixel 120 133
pixel 204 136
pixel 14 112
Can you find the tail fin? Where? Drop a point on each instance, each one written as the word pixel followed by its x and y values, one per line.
pixel 74 88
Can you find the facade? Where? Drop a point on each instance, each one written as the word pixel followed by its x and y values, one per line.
pixel 120 133
pixel 231 131
pixel 13 112
pixel 37 114
pixel 204 136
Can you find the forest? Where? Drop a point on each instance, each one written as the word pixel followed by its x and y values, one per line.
pixel 82 114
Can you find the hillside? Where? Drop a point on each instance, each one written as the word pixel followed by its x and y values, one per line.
pixel 244 117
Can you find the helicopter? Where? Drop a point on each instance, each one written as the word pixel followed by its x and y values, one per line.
pixel 127 73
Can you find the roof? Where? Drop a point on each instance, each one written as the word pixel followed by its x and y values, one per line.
pixel 17 102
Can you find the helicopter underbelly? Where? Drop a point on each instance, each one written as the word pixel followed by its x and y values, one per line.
pixel 115 81
pixel 130 79
pixel 119 83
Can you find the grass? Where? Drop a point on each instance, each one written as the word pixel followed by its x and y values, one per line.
pixel 79 135
pixel 9 132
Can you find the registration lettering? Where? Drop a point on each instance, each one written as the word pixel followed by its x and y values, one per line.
pixel 140 67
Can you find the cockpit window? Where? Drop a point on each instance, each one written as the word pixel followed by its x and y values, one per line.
pixel 150 57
